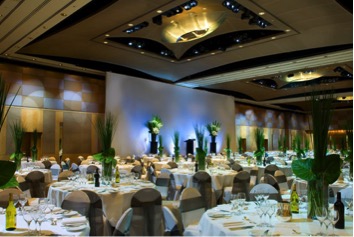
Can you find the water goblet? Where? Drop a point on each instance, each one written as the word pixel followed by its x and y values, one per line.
pixel 22 200
pixel 333 217
pixel 271 212
pixel 233 201
pixel 241 199
pixel 27 217
pixel 321 215
pixel 35 216
pixel 40 219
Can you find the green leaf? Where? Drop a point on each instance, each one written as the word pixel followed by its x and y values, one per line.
pixel 7 170
pixel 332 168
pixel 11 184
pixel 302 168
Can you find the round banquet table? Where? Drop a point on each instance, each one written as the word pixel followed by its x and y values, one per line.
pixel 47 174
pixel 122 168
pixel 115 200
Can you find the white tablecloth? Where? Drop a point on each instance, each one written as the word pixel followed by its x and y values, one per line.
pixel 285 168
pixel 115 200
pixel 122 168
pixel 47 174
pixel 215 226
pixel 25 164
pixel 336 186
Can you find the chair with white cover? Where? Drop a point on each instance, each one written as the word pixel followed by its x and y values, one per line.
pixel 24 186
pixel 146 217
pixel 266 189
pixel 201 180
pixel 173 189
pixel 37 184
pixel 172 164
pixel 236 167
pixel 270 169
pixel 78 201
pixel 96 216
pixel 282 182
pixel 74 167
pixel 55 169
pixel 253 176
pixel 47 164
pixel 138 170
pixel 270 179
pixel 91 169
pixel 191 207
pixel 241 184
pixel 163 184
pixel 4 196
pixel 65 175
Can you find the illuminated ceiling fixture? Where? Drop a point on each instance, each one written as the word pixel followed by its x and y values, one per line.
pixel 302 76
pixel 192 26
pixel 345 98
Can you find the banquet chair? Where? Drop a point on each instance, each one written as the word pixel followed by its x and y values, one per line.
pixel 241 184
pixel 236 167
pixel 270 169
pixel 65 175
pixel 36 182
pixel 78 201
pixel 55 169
pixel 267 189
pixel 253 177
pixel 201 180
pixel 52 158
pixel 74 167
pixel 24 186
pixel 47 164
pixel 172 164
pixel 138 169
pixel 91 169
pixel 270 179
pixel 145 217
pixel 162 184
pixel 79 160
pixel 4 196
pixel 85 162
pixel 151 173
pixel 191 207
pixel 173 189
pixel 282 182
pixel 95 215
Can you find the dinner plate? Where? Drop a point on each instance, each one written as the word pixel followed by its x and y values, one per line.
pixel 70 213
pixel 76 228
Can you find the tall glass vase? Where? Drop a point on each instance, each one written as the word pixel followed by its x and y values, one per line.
pixel 259 160
pixel 201 154
pixel 107 169
pixel 317 195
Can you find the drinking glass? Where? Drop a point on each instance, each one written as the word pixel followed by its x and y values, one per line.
pixel 271 211
pixel 333 217
pixel 40 219
pixel 15 199
pixel 241 199
pixel 26 214
pixel 22 200
pixel 233 201
pixel 35 216
pixel 321 215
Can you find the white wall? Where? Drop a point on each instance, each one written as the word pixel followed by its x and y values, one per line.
pixel 135 101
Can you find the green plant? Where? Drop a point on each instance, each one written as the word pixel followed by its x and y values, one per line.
pixel 7 177
pixel 228 146
pixel 307 145
pixel 213 128
pixel 34 147
pixel 154 125
pixel 106 128
pixel 322 169
pixel 200 150
pixel 259 137
pixel 176 145
pixel 239 143
pixel 282 144
pixel 298 150
pixel 17 132
pixel 160 146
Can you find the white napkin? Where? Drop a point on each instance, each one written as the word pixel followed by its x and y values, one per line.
pixel 74 220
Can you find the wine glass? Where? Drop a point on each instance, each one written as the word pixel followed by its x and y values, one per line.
pixel 40 219
pixel 35 215
pixel 233 201
pixel 333 217
pixel 26 214
pixel 321 215
pixel 241 199
pixel 15 198
pixel 271 212
pixel 22 200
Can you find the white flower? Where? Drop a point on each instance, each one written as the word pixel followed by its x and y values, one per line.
pixel 214 133
pixel 155 130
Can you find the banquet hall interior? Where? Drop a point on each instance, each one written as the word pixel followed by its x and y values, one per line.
pixel 163 117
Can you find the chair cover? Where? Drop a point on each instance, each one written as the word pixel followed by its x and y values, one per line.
pixel 265 189
pixel 4 196
pixel 78 201
pixel 147 219
pixel 24 186
pixel 173 189
pixel 163 184
pixel 138 169
pixel 47 164
pixel 52 158
pixel 55 169
pixel 171 222
pixel 201 180
pixel 191 206
pixel 282 181
pixel 172 164
pixel 270 169
pixel 85 162
pixel 91 169
pixel 151 173
pixel 236 167
pixel 122 227
pixel 241 183
pixel 253 176
pixel 36 182
pixel 269 179
pixel 74 167
pixel 95 214
pixel 65 174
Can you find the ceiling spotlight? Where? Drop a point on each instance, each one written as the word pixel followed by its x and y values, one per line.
pixel 189 5
pixel 136 27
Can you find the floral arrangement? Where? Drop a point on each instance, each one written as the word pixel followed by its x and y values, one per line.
pixel 213 128
pixel 154 125
pixel 18 132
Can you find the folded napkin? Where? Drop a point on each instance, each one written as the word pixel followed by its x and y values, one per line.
pixel 74 220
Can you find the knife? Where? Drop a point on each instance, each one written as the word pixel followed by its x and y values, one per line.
pixel 241 227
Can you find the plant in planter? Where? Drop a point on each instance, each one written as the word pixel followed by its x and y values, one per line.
pixel 228 145
pixel 176 147
pixel 213 129
pixel 17 132
pixel 154 125
pixel 105 131
pixel 239 143
pixel 34 147
pixel 201 153
pixel 323 169
pixel 298 150
pixel 160 146
pixel 259 137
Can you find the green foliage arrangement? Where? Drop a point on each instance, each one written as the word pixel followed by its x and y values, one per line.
pixel 228 146
pixel 259 137
pixel 161 147
pixel 213 128
pixel 154 125
pixel 176 148
pixel 298 148
pixel 17 132
pixel 34 147
pixel 239 143
pixel 200 150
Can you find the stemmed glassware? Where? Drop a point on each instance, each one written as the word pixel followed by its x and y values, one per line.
pixel 241 199
pixel 22 200
pixel 15 198
pixel 333 217
pixel 271 211
pixel 233 201
pixel 321 215
pixel 27 216
pixel 40 219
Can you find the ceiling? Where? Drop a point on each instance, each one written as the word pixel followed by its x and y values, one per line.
pixel 255 50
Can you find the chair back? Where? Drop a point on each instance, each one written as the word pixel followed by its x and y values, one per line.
pixel 265 189
pixel 172 164
pixel 95 214
pixel 55 169
pixel 282 181
pixel 151 173
pixel 24 186
pixel 253 176
pixel 122 227
pixel 172 189
pixel 242 184
pixel 147 219
pixel 138 169
pixel 236 167
pixel 78 201
pixel 47 164
pixel 163 184
pixel 270 179
pixel 52 158
pixel 36 183
pixel 4 196
pixel 74 167
pixel 65 174
pixel 270 169
pixel 201 180
pixel 91 169
pixel 191 206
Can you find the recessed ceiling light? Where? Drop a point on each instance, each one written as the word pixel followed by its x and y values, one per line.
pixel 105 42
pixel 130 24
pixel 287 30
pixel 107 35
pixel 63 14
pixel 213 53
pixel 240 46
pixel 159 11
pixel 142 52
pixel 189 59
pixel 273 38
pixel 261 13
